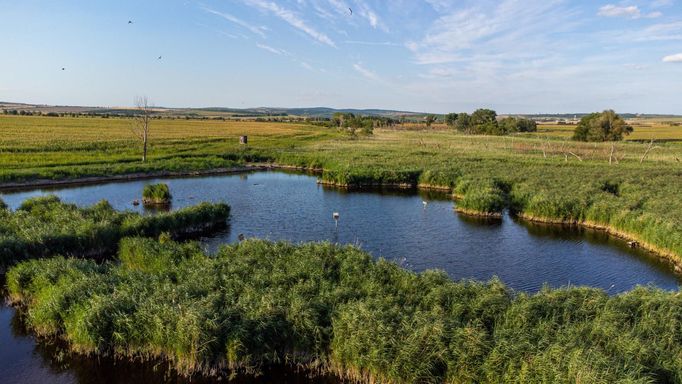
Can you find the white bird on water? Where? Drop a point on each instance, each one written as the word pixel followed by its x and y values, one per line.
pixel 425 203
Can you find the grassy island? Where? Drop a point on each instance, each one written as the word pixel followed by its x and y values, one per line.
pixel 46 226
pixel 156 194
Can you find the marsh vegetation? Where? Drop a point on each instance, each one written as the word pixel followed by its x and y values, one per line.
pixel 334 308
pixel 45 226
pixel 156 194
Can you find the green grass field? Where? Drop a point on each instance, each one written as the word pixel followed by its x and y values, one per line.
pixel 53 148
pixel 645 129
pixel 538 176
pixel 41 144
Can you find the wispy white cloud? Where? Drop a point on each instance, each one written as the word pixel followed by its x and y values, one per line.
pixel 258 30
pixel 287 54
pixel 512 29
pixel 440 5
pixel 360 42
pixel 661 3
pixel 657 32
pixel 611 10
pixel 631 11
pixel 271 49
pixel 365 11
pixel 358 8
pixel 292 19
pixel 677 58
pixel 365 72
pixel 340 6
pixel 439 73
pixel 218 31
pixel 663 31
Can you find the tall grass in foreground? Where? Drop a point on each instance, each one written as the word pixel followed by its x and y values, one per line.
pixel 333 308
pixel 45 226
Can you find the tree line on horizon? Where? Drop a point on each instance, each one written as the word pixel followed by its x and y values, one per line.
pixel 485 122
pixel 594 127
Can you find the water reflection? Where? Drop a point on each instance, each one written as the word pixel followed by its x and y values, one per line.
pixel 25 361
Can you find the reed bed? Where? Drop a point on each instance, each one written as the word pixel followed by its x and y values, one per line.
pixel 156 194
pixel 46 226
pixel 334 309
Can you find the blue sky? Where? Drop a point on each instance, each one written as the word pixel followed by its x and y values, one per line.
pixel 515 56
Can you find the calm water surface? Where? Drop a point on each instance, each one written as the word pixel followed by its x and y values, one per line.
pixel 393 225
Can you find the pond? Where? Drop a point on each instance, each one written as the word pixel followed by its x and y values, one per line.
pixel 419 230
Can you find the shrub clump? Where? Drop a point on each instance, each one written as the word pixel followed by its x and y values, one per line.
pixel 156 194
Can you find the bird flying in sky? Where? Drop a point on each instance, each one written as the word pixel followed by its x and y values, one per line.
pixel 351 11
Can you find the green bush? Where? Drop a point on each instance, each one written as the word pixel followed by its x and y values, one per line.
pixel 604 126
pixel 156 194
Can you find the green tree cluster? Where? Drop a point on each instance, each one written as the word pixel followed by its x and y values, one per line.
pixel 484 122
pixel 353 124
pixel 604 126
pixel 517 124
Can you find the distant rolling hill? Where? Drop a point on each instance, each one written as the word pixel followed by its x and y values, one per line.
pixel 320 112
pixel 311 112
pixel 218 111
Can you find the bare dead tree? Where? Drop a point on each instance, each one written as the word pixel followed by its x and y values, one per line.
pixel 576 156
pixel 141 123
pixel 613 148
pixel 561 150
pixel 648 149
pixel 566 152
